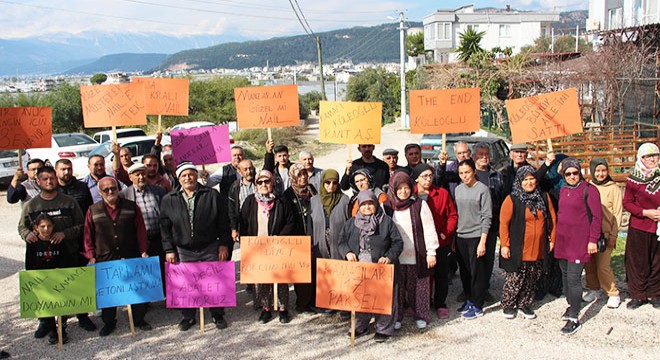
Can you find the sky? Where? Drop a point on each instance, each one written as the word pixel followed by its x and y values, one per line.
pixel 254 19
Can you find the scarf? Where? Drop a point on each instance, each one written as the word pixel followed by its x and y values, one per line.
pixel 643 175
pixel 532 200
pixel 399 178
pixel 595 162
pixel 267 201
pixel 329 200
pixel 367 223
pixel 303 192
pixel 571 162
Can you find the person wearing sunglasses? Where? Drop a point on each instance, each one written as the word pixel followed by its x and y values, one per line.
pixel 265 214
pixel 576 236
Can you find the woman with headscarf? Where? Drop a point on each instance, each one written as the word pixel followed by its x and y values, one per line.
pixel 371 236
pixel 577 236
pixel 361 179
pixel 642 200
pixel 264 214
pixel 598 271
pixel 327 215
pixel 298 195
pixel 414 220
pixel 527 234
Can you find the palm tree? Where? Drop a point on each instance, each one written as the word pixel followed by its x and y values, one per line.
pixel 469 46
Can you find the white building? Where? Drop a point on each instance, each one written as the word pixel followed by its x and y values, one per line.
pixel 502 29
pixel 620 14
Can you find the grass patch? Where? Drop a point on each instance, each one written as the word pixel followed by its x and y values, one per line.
pixel 618 255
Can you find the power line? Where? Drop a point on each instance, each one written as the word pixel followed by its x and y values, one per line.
pixel 251 5
pixel 307 30
pixel 303 16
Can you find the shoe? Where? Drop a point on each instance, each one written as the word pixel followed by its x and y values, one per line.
pixel 381 338
pixel 566 315
pixel 397 325
pixel 265 316
pixel 571 327
pixel 186 324
pixel 465 307
pixel 509 313
pixel 107 329
pixel 359 333
pixel 144 326
pixel 284 316
pixel 473 313
pixel 613 302
pixel 527 313
pixel 443 313
pixel 249 289
pixel 43 329
pixel 220 322
pixel 635 303
pixel 421 324
pixel 489 297
pixel 591 295
pixel 4 355
pixel 86 323
pixel 656 303
pixel 462 297
pixel 52 337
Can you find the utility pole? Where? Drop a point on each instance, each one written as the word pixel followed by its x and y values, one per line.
pixel 402 50
pixel 318 49
pixel 577 37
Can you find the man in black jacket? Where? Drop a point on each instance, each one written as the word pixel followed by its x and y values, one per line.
pixel 192 229
pixel 377 167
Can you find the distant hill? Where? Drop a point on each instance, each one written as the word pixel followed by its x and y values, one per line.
pixel 569 20
pixel 120 62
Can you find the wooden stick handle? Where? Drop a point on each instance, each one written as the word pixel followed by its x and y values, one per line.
pixel 350 151
pixel 160 122
pixel 352 328
pixel 114 134
pixel 444 142
pixel 59 333
pixel 20 158
pixel 130 319
pixel 549 145
pixel 201 320
pixel 275 307
pixel 270 134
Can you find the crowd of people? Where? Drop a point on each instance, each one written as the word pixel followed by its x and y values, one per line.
pixel 427 220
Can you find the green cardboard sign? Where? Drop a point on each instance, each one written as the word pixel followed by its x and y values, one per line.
pixel 57 292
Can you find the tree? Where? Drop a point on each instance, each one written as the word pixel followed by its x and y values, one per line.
pixel 213 100
pixel 312 99
pixel 563 43
pixel 470 44
pixel 98 79
pixel 415 44
pixel 376 85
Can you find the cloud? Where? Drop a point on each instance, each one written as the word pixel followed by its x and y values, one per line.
pixel 547 5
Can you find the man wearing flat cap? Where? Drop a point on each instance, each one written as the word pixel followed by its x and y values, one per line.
pixel 391 158
pixel 193 229
pixel 518 155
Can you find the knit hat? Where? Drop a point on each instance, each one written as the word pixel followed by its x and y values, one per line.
pixel 418 170
pixel 185 165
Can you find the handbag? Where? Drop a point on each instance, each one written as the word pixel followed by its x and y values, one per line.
pixel 601 244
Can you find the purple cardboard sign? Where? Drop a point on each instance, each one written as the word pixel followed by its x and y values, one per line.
pixel 200 284
pixel 201 146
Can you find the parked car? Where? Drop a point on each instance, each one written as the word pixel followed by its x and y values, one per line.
pixel 139 146
pixel 9 164
pixel 65 146
pixel 167 140
pixel 432 144
pixel 106 135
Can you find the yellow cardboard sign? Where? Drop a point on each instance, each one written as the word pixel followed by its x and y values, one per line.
pixel 347 122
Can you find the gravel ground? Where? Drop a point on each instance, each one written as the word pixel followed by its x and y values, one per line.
pixel 606 333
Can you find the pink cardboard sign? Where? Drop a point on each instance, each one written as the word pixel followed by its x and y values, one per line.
pixel 200 284
pixel 201 146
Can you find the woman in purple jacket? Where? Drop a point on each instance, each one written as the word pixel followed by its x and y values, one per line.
pixel 576 237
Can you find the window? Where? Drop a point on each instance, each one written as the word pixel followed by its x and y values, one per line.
pixel 429 31
pixel 473 27
pixel 443 31
pixel 505 30
pixel 615 18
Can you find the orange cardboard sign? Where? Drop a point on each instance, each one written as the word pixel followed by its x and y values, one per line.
pixel 113 105
pixel 544 116
pixel 262 107
pixel 354 286
pixel 347 122
pixel 25 127
pixel 276 259
pixel 445 111
pixel 165 96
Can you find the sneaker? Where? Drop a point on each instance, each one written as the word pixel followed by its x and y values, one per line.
pixel 613 302
pixel 473 313
pixel 265 316
pixel 566 315
pixel 527 313
pixel 381 338
pixel 571 327
pixel 107 329
pixel 186 324
pixel 220 322
pixel 397 325
pixel 52 337
pixel 509 313
pixel 635 303
pixel 43 329
pixel 656 303
pixel 421 324
pixel 443 313
pixel 359 333
pixel 591 295
pixel 464 308
pixel 284 317
pixel 86 323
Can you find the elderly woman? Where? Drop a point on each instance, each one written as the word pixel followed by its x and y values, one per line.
pixel 475 210
pixel 414 220
pixel 371 236
pixel 527 234
pixel 577 236
pixel 642 200
pixel 264 214
pixel 361 179
pixel 598 271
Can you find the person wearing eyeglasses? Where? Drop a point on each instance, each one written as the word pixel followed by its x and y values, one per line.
pixel 327 215
pixel 265 214
pixel 362 180
pixel 642 199
pixel 576 236
pixel 27 189
pixel 114 230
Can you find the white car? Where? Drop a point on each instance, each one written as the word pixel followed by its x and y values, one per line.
pixel 139 146
pixel 106 135
pixel 9 164
pixel 65 146
pixel 167 140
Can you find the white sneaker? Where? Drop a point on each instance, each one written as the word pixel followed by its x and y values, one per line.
pixel 613 302
pixel 397 325
pixel 590 295
pixel 421 324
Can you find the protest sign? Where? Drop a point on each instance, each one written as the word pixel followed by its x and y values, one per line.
pixel 276 259
pixel 25 127
pixel 445 111
pixel 200 284
pixel 262 107
pixel 204 145
pixel 347 122
pixel 113 105
pixel 128 281
pixel 56 292
pixel 354 286
pixel 165 96
pixel 544 116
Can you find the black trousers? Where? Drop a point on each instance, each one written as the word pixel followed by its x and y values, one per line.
pixel 109 315
pixel 441 277
pixel 473 270
pixel 491 244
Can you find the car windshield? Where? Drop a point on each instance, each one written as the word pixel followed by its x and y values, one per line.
pixel 103 150
pixel 9 154
pixel 64 140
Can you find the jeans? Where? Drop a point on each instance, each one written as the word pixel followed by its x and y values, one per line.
pixel 572 279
